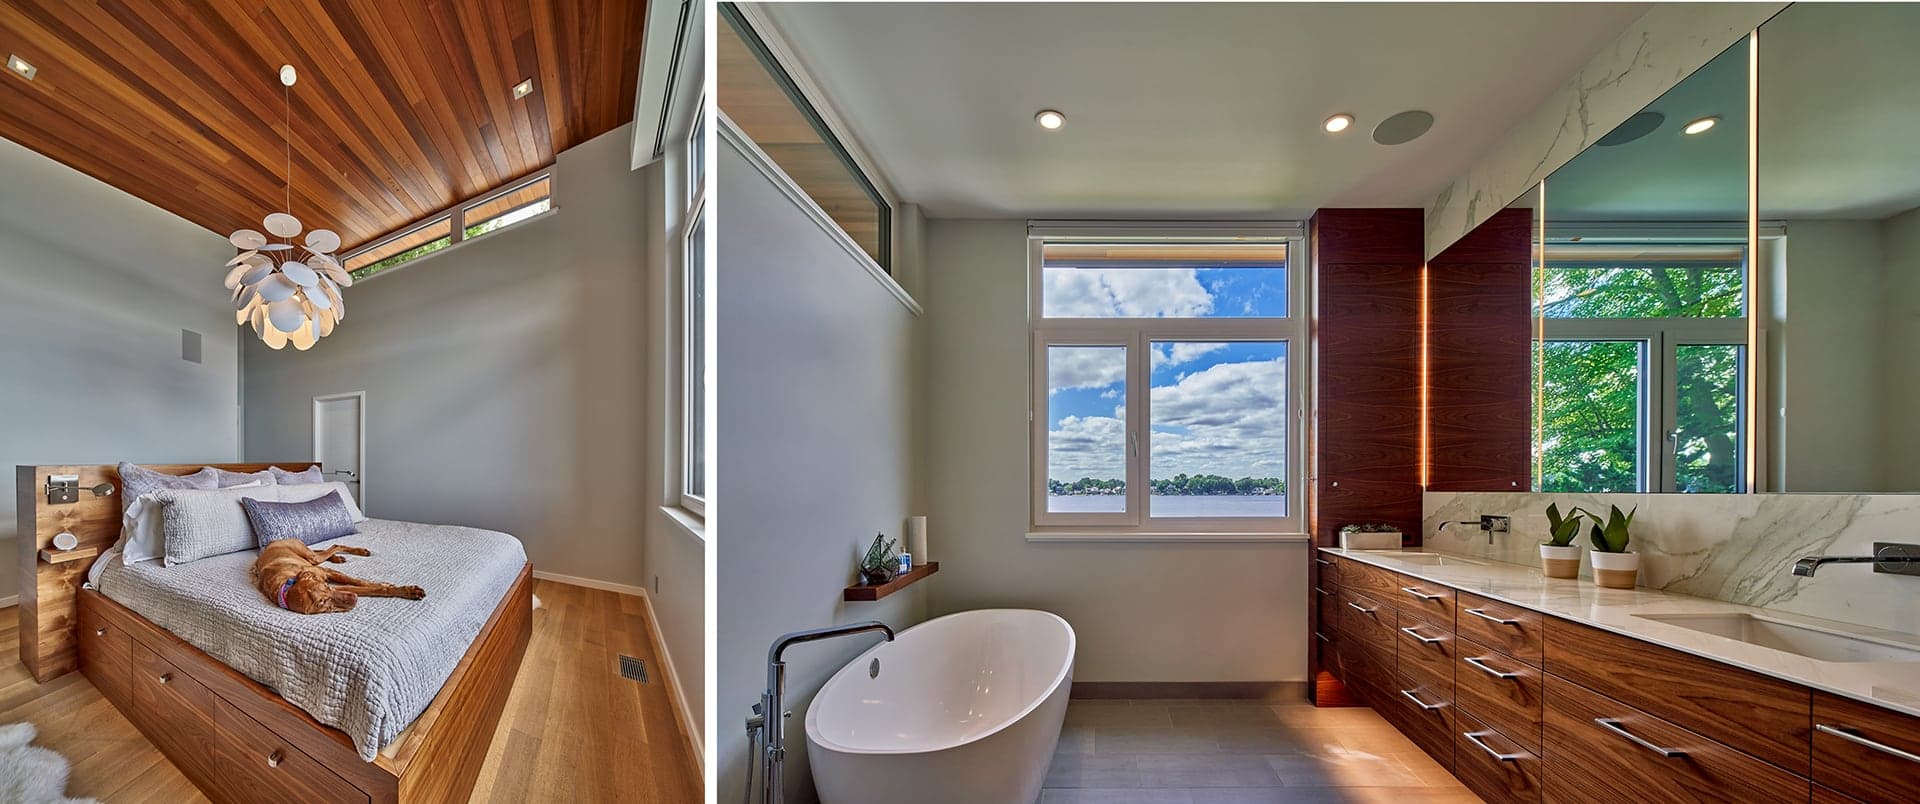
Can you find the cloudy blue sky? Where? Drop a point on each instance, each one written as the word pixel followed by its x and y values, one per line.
pixel 1216 408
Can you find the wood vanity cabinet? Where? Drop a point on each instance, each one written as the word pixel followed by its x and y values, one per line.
pixel 1499 690
pixel 1864 751
pixel 1492 764
pixel 1514 631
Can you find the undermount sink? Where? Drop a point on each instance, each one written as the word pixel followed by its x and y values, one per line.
pixel 1431 559
pixel 1813 643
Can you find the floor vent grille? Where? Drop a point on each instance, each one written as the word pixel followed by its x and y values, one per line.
pixel 633 669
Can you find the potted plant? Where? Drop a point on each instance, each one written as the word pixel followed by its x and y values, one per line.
pixel 1559 556
pixel 1369 537
pixel 1613 566
pixel 879 564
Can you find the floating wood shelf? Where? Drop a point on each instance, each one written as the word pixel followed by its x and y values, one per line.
pixel 895 585
pixel 64 556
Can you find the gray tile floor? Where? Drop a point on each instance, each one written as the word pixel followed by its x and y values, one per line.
pixel 1238 752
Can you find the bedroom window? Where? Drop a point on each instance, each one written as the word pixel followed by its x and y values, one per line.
pixel 1167 385
pixel 693 282
pixel 497 209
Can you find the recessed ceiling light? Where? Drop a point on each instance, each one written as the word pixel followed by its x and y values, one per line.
pixel 20 67
pixel 1701 125
pixel 1337 123
pixel 1050 119
pixel 523 89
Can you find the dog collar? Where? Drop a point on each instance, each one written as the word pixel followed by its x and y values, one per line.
pixel 283 590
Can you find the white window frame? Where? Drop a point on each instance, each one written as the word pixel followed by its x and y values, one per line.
pixel 456 216
pixel 1137 334
pixel 693 368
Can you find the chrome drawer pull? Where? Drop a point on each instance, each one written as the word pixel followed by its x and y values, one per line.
pixel 99 632
pixel 1849 735
pixel 1613 725
pixel 1474 737
pixel 166 678
pixel 1359 608
pixel 1413 631
pixel 1323 562
pixel 1321 591
pixel 1420 593
pixel 1482 614
pixel 1323 637
pixel 1482 664
pixel 1422 704
pixel 274 759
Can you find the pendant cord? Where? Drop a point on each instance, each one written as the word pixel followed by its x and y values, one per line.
pixel 288 92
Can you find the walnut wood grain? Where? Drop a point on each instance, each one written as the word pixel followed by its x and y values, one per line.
pixel 1428 601
pixel 401 109
pixel 1509 703
pixel 1859 770
pixel 1522 635
pixel 1513 777
pixel 1426 649
pixel 175 711
pixel 1429 728
pixel 1586 762
pixel 47 613
pixel 1765 717
pixel 1479 337
pixel 1381 584
pixel 1366 620
pixel 256 766
pixel 106 656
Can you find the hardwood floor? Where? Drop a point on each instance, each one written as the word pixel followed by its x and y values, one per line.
pixel 573 730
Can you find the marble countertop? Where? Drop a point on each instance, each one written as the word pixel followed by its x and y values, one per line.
pixel 1894 685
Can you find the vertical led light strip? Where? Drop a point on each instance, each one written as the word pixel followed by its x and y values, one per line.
pixel 1754 355
pixel 1540 338
pixel 1426 379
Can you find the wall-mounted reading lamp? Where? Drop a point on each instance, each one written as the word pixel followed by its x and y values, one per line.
pixel 65 489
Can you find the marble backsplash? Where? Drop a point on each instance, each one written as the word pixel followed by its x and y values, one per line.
pixel 1738 548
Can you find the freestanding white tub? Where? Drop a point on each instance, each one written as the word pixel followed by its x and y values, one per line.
pixel 965 708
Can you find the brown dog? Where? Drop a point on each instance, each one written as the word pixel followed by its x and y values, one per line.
pixel 290 575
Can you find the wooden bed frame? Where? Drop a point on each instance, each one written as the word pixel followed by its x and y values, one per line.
pixel 235 738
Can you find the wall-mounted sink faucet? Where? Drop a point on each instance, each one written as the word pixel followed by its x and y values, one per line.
pixel 767 724
pixel 1893 557
pixel 1488 523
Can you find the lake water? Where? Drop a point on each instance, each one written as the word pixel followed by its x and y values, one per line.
pixel 1225 505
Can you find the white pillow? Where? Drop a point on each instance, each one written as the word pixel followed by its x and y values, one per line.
pixel 313 491
pixel 143 530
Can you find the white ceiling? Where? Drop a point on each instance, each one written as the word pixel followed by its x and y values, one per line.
pixel 1182 108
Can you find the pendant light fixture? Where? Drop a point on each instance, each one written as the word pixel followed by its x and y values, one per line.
pixel 287 298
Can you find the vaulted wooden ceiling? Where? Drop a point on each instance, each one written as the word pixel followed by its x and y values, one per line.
pixel 402 108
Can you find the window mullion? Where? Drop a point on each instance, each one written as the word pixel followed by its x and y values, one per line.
pixel 1139 374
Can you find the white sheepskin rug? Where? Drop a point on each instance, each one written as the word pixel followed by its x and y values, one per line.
pixel 31 775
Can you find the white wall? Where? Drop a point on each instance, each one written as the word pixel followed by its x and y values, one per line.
pixel 95 287
pixel 814 453
pixel 1900 332
pixel 504 386
pixel 1143 612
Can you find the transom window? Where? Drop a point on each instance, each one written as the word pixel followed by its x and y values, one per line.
pixel 495 210
pixel 1642 367
pixel 1166 386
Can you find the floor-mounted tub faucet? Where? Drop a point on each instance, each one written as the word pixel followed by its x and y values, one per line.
pixel 1899 559
pixel 768 722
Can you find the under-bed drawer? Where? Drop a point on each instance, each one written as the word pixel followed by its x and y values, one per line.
pixel 255 765
pixel 106 656
pixel 175 712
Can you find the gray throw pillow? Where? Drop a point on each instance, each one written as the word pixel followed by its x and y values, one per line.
pixel 315 520
pixel 309 491
pixel 139 480
pixel 230 479
pixel 305 476
pixel 201 523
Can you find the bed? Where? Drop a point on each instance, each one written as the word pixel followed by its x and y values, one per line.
pixel 394 701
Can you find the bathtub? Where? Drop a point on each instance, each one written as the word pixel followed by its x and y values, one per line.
pixel 964 708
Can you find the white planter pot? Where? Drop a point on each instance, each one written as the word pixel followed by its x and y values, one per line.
pixel 1616 570
pixel 1379 540
pixel 1560 561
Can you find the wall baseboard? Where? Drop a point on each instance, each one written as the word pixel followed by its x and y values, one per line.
pixel 10 600
pixel 1271 691
pixel 681 710
pixel 573 580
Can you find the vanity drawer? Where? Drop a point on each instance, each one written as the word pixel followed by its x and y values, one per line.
pixel 1424 713
pixel 1587 760
pixel 1326 569
pixel 175 712
pixel 1762 716
pixel 1363 670
pixel 1370 579
pixel 255 765
pixel 1512 630
pixel 1503 693
pixel 1326 604
pixel 1427 647
pixel 1430 601
pixel 106 654
pixel 1494 767
pixel 1876 772
pixel 1364 619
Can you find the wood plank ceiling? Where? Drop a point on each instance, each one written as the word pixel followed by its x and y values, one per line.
pixel 403 107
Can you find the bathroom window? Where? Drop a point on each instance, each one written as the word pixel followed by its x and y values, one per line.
pixel 1642 368
pixel 1167 397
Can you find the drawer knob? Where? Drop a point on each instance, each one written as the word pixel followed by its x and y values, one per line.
pixel 1853 736
pixel 100 631
pixel 1613 725
pixel 166 678
pixel 1482 614
pixel 274 759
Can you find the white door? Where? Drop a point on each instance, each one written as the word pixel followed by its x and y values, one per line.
pixel 340 439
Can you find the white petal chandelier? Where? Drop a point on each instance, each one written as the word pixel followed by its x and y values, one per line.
pixel 287 298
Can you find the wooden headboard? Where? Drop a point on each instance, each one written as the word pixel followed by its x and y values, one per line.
pixel 48 588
